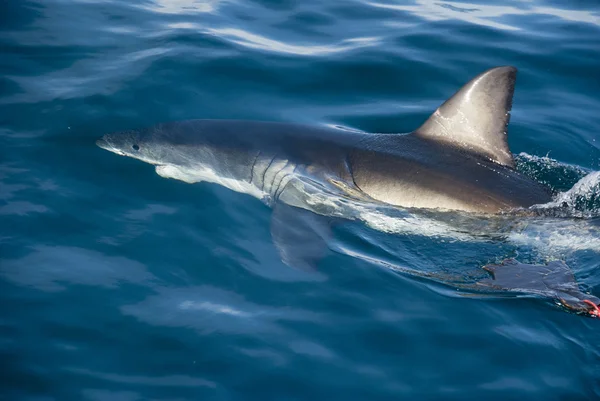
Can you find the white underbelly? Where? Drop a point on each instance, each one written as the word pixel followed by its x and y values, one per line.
pixel 204 174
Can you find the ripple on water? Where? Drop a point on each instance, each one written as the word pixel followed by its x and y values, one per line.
pixel 206 308
pixel 54 268
pixel 258 42
pixel 182 7
pixel 209 309
pixel 487 15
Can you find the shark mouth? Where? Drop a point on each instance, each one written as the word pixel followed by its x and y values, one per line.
pixel 105 144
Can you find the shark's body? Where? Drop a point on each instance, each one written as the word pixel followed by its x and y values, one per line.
pixel 458 160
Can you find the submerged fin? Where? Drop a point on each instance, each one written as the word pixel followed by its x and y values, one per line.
pixel 475 117
pixel 299 235
pixel 554 280
pixel 513 275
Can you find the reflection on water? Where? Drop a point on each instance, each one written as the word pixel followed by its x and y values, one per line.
pixel 49 268
pixel 210 309
pixel 179 7
pixel 254 41
pixel 87 77
pixel 486 15
pixel 173 380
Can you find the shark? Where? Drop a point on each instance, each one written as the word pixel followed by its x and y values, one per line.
pixel 457 160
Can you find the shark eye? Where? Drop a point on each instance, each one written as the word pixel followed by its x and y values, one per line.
pixel 135 147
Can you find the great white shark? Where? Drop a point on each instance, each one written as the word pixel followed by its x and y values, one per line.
pixel 457 160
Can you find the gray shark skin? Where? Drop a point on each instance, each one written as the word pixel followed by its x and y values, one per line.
pixel 457 160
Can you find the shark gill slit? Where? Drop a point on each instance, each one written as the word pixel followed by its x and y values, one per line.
pixel 252 168
pixel 275 177
pixel 348 166
pixel 265 174
pixel 281 185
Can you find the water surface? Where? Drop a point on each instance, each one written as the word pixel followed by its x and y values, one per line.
pixel 117 284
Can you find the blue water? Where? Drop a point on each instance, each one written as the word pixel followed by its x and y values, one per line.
pixel 117 284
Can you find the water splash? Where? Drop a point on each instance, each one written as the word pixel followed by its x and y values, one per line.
pixel 577 190
pixel 557 175
pixel 583 200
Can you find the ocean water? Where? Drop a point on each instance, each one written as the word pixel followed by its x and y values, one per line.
pixel 118 284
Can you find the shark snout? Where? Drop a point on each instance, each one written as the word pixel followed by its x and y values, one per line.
pixel 103 143
pixel 106 144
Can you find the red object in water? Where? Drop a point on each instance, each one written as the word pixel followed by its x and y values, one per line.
pixel 595 311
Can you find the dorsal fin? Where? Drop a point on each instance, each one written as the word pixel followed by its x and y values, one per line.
pixel 475 117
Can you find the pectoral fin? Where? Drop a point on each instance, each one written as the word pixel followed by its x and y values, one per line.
pixel 300 235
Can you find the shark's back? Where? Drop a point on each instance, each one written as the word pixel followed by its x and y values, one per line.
pixel 250 134
pixel 409 171
pixel 458 159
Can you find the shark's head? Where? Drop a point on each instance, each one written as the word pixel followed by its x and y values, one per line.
pixel 190 151
pixel 153 146
pixel 125 144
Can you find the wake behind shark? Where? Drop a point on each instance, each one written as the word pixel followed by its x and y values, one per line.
pixel 458 160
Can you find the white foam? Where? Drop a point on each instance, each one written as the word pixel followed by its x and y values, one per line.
pixel 415 225
pixel 554 237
